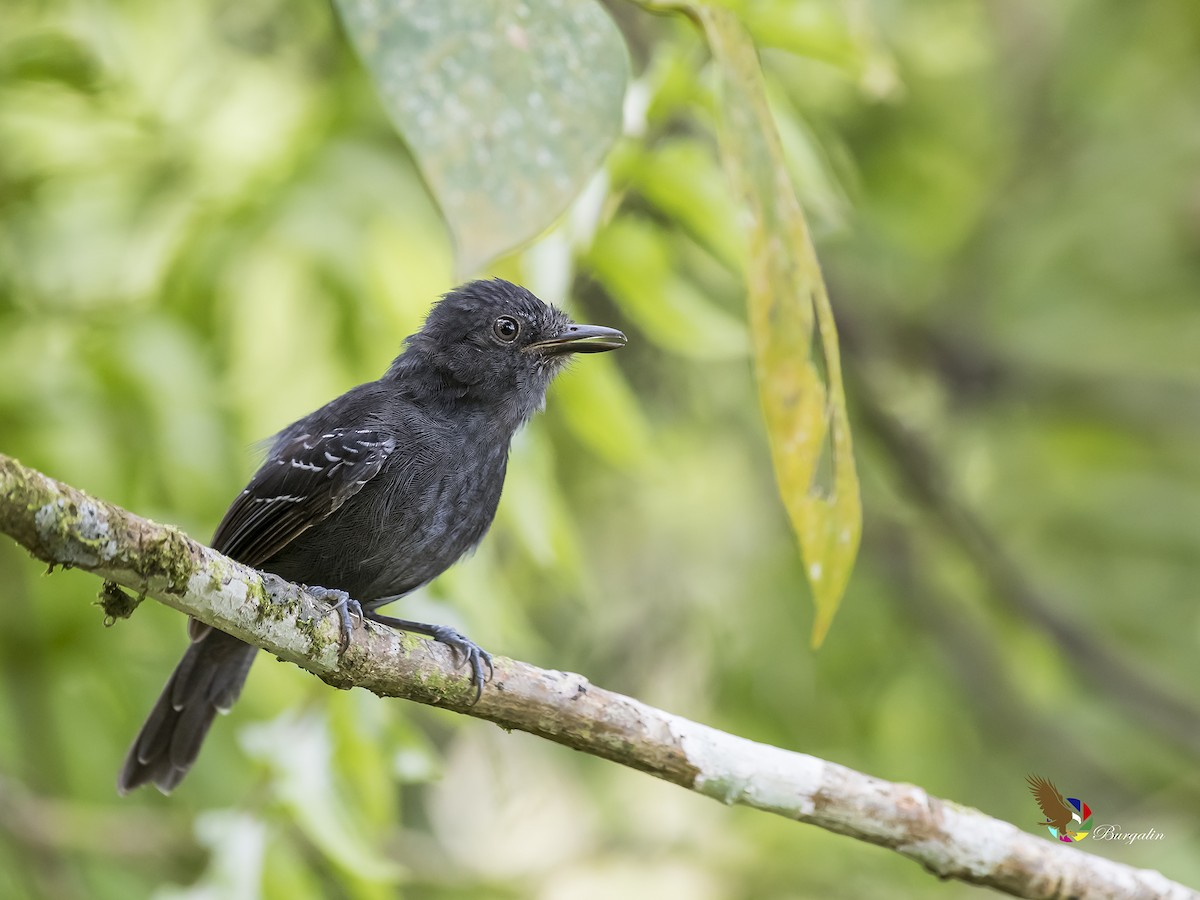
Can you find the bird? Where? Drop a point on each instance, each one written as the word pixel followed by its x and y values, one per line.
pixel 1055 808
pixel 376 493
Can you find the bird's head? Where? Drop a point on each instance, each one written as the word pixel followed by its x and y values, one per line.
pixel 496 343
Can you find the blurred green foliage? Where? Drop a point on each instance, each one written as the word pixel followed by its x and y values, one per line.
pixel 208 227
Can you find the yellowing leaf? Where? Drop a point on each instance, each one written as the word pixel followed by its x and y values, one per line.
pixel 799 373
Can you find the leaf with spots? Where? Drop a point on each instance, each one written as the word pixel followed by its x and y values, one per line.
pixel 795 340
pixel 509 106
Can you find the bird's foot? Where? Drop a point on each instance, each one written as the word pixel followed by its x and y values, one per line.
pixel 346 607
pixel 472 654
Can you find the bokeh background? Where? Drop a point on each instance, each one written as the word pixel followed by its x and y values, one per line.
pixel 208 228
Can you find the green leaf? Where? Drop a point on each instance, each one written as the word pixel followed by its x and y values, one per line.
pixel 621 434
pixel 535 507
pixel 509 106
pixel 633 259
pixel 799 372
pixel 682 177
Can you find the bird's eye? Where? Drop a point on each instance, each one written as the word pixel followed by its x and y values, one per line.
pixel 507 328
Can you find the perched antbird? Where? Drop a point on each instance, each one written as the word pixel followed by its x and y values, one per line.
pixel 376 493
pixel 1054 807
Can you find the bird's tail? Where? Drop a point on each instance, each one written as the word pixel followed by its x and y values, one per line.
pixel 208 679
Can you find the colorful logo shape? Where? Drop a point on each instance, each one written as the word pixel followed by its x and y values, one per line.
pixel 1068 819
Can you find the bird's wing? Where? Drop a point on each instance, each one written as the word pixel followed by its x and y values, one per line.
pixel 306 478
pixel 1048 798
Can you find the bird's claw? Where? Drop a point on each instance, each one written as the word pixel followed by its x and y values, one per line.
pixel 472 654
pixel 347 609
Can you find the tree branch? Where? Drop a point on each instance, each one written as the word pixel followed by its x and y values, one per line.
pixel 64 526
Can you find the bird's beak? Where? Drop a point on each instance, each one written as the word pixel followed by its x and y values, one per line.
pixel 581 339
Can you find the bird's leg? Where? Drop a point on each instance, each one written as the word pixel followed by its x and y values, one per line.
pixel 345 606
pixel 473 655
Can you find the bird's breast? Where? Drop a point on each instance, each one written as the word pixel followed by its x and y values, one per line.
pixel 432 502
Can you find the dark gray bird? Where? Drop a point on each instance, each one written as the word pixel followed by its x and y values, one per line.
pixel 376 493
